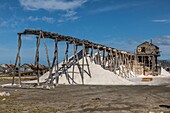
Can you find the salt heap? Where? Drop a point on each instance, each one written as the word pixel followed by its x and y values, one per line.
pixel 164 72
pixel 99 76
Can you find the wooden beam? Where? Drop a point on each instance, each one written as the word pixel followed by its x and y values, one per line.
pixel 48 59
pixel 17 58
pixel 36 63
pixel 56 62
pixel 74 60
pixel 104 58
pixel 83 47
pixel 115 63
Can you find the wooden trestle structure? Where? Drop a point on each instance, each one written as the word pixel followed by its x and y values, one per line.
pixel 109 58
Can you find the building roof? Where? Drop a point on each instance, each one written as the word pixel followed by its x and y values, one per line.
pixel 146 42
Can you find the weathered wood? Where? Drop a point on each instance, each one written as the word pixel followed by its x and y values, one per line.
pixel 115 63
pixel 47 56
pixel 37 58
pixel 87 64
pixel 111 60
pixel 83 47
pixel 98 57
pixel 74 60
pixel 66 62
pixel 17 57
pixel 56 61
pixel 104 58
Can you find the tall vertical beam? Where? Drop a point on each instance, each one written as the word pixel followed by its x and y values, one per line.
pixel 74 60
pixel 56 61
pixel 92 54
pixel 66 62
pixel 156 62
pixel 111 60
pixel 98 56
pixel 48 59
pixel 17 60
pixel 36 63
pixel 104 58
pixel 115 63
pixel 87 63
pixel 119 60
pixel 83 45
pixel 153 65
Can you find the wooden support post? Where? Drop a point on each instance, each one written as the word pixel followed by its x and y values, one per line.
pixel 83 45
pixel 153 65
pixel 98 56
pixel 17 60
pixel 87 64
pixel 48 59
pixel 115 63
pixel 74 60
pixel 56 61
pixel 111 60
pixel 104 58
pixel 92 54
pixel 36 63
pixel 119 60
pixel 156 62
pixel 66 63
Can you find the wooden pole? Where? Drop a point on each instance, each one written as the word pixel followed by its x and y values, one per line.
pixel 87 64
pixel 47 56
pixel 56 62
pixel 91 54
pixel 17 58
pixel 36 63
pixel 74 60
pixel 66 62
pixel 98 57
pixel 104 58
pixel 83 45
pixel 153 65
pixel 111 60
pixel 115 65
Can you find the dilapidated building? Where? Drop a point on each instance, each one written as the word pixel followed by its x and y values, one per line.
pixel 147 54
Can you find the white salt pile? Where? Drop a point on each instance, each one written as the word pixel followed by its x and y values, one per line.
pixel 164 72
pixel 99 76
pixel 4 94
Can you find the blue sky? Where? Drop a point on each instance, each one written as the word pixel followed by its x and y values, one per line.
pixel 122 24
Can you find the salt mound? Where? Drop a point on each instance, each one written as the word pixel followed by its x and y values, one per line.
pixel 99 76
pixel 4 94
pixel 164 72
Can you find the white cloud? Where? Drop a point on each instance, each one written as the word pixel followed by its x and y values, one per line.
pixel 68 16
pixel 68 6
pixel 114 7
pixel 11 22
pixel 29 38
pixel 49 20
pixel 162 40
pixel 161 21
pixel 33 18
pixel 52 4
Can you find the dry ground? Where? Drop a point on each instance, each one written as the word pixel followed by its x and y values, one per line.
pixel 81 98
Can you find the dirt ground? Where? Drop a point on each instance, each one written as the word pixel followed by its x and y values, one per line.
pixel 86 99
